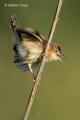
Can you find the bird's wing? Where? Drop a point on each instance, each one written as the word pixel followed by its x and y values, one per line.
pixel 30 33
pixel 21 52
pixel 19 58
pixel 24 66
pixel 36 32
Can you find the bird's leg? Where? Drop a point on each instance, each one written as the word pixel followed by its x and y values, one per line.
pixel 29 65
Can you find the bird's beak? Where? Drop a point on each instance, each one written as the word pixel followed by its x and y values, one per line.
pixel 60 56
pixel 59 59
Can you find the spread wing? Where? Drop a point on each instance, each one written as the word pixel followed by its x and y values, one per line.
pixel 29 44
pixel 30 33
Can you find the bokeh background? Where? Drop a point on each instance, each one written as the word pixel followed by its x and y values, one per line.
pixel 58 96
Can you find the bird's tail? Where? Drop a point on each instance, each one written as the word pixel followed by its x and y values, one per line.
pixel 14 23
pixel 15 26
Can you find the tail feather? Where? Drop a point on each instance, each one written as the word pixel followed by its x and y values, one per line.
pixel 14 23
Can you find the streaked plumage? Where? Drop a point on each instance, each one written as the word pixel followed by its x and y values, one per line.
pixel 29 46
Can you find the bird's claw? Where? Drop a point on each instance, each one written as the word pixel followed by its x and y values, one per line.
pixel 36 82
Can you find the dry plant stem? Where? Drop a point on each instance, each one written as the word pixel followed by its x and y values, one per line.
pixel 40 70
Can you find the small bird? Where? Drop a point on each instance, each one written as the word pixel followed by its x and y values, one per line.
pixel 29 46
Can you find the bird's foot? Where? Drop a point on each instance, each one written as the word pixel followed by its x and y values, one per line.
pixel 36 82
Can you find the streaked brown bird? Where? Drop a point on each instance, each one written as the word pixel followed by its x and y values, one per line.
pixel 29 47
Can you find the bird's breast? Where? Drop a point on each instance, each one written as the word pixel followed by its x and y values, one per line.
pixel 34 49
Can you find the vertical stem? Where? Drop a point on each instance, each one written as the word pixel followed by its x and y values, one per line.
pixel 38 77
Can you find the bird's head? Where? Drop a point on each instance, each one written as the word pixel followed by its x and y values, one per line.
pixel 54 52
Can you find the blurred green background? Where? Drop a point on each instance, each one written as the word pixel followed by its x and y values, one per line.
pixel 58 96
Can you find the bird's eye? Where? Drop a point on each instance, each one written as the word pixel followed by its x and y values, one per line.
pixel 56 50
